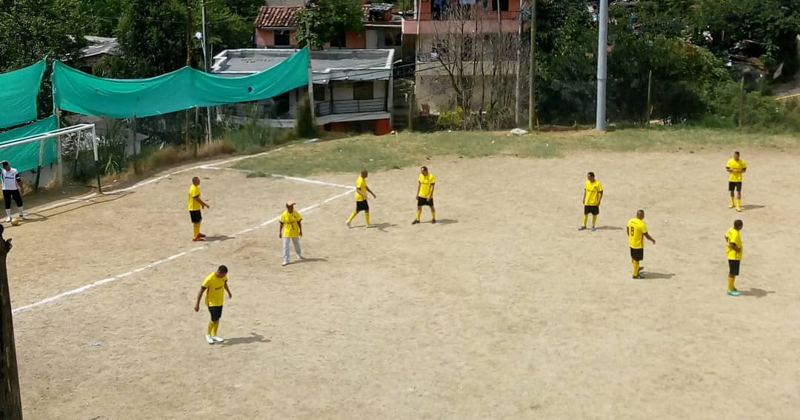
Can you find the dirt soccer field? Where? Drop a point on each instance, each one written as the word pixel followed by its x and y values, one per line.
pixel 502 310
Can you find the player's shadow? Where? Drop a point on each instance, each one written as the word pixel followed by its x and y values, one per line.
pixel 752 207
pixel 648 275
pixel 253 338
pixel 445 221
pixel 383 226
pixel 609 228
pixel 756 293
pixel 310 260
pixel 34 218
pixel 218 238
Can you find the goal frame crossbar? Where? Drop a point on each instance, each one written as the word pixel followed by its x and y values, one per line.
pixel 57 134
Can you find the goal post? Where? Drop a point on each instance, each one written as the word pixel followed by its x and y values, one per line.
pixel 34 157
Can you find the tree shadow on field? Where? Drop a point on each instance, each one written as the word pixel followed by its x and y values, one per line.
pixel 85 202
pixel 32 218
pixel 218 238
pixel 253 338
pixel 609 228
pixel 756 293
pixel 383 226
pixel 752 207
pixel 648 275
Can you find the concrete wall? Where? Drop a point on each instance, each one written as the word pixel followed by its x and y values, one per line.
pixel 266 38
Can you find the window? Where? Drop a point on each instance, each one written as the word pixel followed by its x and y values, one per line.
pixel 392 38
pixel 319 93
pixel 339 40
pixel 363 90
pixel 503 5
pixel 283 38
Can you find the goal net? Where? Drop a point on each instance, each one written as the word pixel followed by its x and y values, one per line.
pixel 70 147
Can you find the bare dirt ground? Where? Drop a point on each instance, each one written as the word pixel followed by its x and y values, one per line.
pixel 502 310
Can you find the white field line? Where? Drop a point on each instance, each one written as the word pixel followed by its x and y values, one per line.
pixel 306 180
pixel 153 264
pixel 159 178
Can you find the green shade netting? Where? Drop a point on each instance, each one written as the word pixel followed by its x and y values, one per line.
pixel 18 92
pixel 186 88
pixel 26 156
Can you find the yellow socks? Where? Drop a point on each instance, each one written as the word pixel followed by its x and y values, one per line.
pixel 739 204
pixel 594 220
pixel 419 213
pixel 732 201
pixel 366 215
pixel 210 328
pixel 196 229
pixel 352 216
pixel 433 215
pixel 635 268
pixel 731 279
pixel 585 218
pixel 215 328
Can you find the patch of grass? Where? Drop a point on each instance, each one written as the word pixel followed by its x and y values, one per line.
pixel 407 149
pixel 172 155
pixel 257 174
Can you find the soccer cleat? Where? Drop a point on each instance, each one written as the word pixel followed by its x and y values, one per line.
pixel 209 339
pixel 285 263
pixel 733 292
pixel 370 226
pixel 433 221
pixel 594 228
pixel 23 216
pixel 639 276
pixel 202 235
pixel 300 257
pixel 8 219
pixel 217 339
pixel 415 222
pixel 739 209
pixel 582 228
pixel 198 239
pixel 347 223
pixel 731 206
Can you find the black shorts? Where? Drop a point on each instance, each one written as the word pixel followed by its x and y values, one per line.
pixel 216 313
pixel 424 202
pixel 637 254
pixel 735 186
pixel 733 266
pixel 9 194
pixel 362 206
pixel 196 216
pixel 595 210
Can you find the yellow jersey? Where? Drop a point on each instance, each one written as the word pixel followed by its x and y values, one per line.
pixel 291 223
pixel 194 194
pixel 736 167
pixel 215 289
pixel 593 190
pixel 636 230
pixel 361 185
pixel 425 183
pixel 733 237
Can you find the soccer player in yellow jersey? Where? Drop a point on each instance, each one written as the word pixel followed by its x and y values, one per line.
pixel 215 286
pixel 290 229
pixel 736 168
pixel 636 232
pixel 425 186
pixel 733 246
pixel 592 196
pixel 195 205
pixel 361 198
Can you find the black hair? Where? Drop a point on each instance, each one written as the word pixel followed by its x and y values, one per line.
pixel 738 223
pixel 591 173
pixel 222 269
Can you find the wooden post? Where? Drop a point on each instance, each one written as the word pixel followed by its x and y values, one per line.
pixel 411 108
pixel 59 151
pixel 532 71
pixel 649 88
pixel 310 81
pixel 135 155
pixel 741 104
pixel 10 401
pixel 39 168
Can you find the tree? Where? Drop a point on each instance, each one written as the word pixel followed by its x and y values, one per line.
pixel 327 19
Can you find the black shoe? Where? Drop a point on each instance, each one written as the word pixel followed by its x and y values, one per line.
pixel 415 222
pixel 433 221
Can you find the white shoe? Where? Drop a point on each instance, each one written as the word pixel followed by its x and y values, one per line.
pixel 8 219
pixel 346 223
pixel 300 257
pixel 285 263
pixel 210 339
pixel 23 216
pixel 217 339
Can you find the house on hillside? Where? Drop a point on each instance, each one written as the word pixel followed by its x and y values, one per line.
pixel 276 27
pixel 352 88
pixel 97 47
pixel 459 33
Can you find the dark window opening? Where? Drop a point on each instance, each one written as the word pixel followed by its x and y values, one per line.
pixel 363 90
pixel 339 40
pixel 283 38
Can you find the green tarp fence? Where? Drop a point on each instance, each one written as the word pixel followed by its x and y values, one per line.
pixel 185 88
pixel 26 156
pixel 18 92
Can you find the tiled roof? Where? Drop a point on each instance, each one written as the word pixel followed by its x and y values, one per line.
pixel 277 16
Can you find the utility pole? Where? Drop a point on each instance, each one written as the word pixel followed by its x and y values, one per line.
pixel 310 77
pixel 602 65
pixel 517 84
pixel 10 401
pixel 532 71
pixel 188 60
pixel 208 70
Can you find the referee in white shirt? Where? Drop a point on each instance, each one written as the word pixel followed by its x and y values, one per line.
pixel 12 188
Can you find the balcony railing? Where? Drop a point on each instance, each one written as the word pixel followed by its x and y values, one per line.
pixel 350 106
